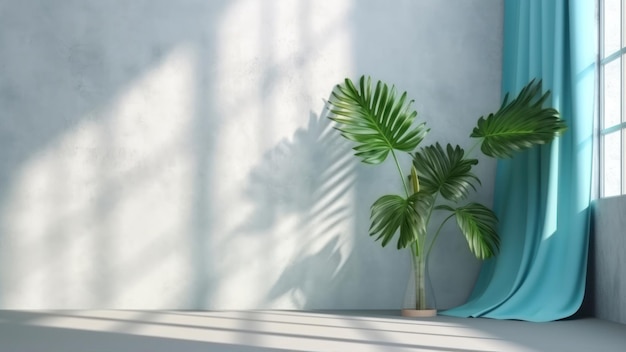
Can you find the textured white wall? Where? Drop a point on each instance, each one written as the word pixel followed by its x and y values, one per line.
pixel 159 154
pixel 605 297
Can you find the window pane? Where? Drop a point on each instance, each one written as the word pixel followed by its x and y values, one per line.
pixel 623 87
pixel 623 26
pixel 623 160
pixel 612 164
pixel 612 16
pixel 612 94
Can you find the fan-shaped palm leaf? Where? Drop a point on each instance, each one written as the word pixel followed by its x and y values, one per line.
pixel 446 171
pixel 478 225
pixel 377 121
pixel 391 213
pixel 520 124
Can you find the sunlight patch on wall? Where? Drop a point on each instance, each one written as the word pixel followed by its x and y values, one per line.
pixel 102 212
pixel 270 178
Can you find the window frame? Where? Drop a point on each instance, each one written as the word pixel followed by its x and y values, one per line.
pixel 620 127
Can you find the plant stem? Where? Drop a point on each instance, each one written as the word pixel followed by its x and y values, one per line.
pixel 419 262
pixel 419 270
pixel 415 248
pixel 471 150
pixel 430 211
pixel 422 282
pixel 395 158
pixel 432 242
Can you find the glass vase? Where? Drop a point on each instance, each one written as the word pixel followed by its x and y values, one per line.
pixel 419 299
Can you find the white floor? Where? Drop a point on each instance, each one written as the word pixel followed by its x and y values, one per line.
pixel 184 331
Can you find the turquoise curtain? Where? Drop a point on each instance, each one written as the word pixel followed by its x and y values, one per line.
pixel 543 195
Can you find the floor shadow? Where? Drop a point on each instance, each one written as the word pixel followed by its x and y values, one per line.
pixel 293 330
pixel 76 340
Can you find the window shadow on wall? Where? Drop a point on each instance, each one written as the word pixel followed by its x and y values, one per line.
pixel 64 66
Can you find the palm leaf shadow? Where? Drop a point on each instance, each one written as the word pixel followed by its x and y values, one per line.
pixel 308 176
pixel 305 175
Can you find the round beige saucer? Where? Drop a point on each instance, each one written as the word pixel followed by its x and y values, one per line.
pixel 419 313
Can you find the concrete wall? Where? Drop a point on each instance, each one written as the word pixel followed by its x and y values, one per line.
pixel 606 284
pixel 171 154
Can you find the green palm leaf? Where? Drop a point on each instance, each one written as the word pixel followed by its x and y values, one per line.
pixel 520 124
pixel 391 213
pixel 377 121
pixel 478 225
pixel 445 171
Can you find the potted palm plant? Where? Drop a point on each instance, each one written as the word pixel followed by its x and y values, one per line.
pixel 381 122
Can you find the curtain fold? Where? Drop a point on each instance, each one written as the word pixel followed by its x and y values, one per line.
pixel 543 195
